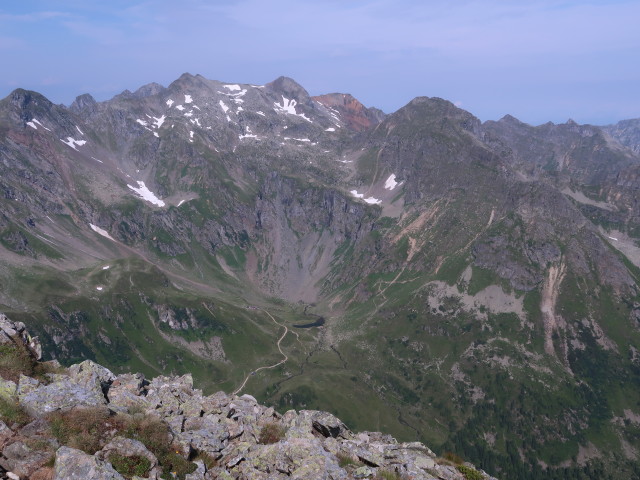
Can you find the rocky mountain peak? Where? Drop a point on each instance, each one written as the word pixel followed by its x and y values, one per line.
pixel 83 103
pixel 290 89
pixel 354 114
pixel 148 90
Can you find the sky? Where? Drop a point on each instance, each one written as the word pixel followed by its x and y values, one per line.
pixel 545 60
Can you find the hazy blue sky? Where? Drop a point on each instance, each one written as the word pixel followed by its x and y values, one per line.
pixel 537 60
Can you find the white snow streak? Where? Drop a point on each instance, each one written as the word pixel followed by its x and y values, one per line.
pixel 78 128
pixel 261 113
pixel 97 160
pixel 391 183
pixel 159 121
pixel 32 125
pixel 370 200
pixel 330 129
pixel 225 109
pixel 146 194
pixel 142 122
pixel 36 121
pixel 72 143
pixel 289 106
pixel 101 231
pixel 613 238
pixel 106 267
pixel 248 134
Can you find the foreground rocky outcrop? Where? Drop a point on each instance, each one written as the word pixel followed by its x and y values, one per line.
pixel 84 422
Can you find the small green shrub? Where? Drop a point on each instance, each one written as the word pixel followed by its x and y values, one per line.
pixel 154 434
pixel 87 429
pixel 130 466
pixel 11 412
pixel 345 460
pixel 271 432
pixel 469 473
pixel 388 475
pixel 16 360
pixel 452 457
pixel 208 460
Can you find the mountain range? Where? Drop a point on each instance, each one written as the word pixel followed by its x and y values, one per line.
pixel 472 285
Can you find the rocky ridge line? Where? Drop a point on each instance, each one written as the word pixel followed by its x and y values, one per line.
pixel 219 436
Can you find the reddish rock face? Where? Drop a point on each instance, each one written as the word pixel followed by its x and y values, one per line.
pixel 353 113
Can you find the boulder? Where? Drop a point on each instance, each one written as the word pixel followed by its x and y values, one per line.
pixel 72 464
pixel 329 425
pixel 22 460
pixel 62 394
pixel 90 373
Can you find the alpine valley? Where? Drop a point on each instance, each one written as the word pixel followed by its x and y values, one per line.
pixel 470 285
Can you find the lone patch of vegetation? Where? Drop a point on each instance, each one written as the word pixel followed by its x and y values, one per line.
pixel 128 467
pixel 271 432
pixel 469 473
pixel 12 413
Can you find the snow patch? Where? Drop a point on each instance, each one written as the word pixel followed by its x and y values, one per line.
pixel 99 288
pixel 146 194
pixel 72 142
pixel 159 121
pixel 613 238
pixel 224 107
pixel 106 267
pixel 155 134
pixel 32 125
pixel 180 107
pixel 248 134
pixel 170 102
pixel 36 121
pixel 261 113
pixel 391 183
pixel 188 99
pixel 370 200
pixel 298 139
pixel 289 106
pixel 191 133
pixel 233 87
pixel 189 114
pixel 330 129
pixel 101 231
pixel 142 122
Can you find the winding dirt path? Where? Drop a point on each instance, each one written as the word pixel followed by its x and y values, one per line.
pixel 266 367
